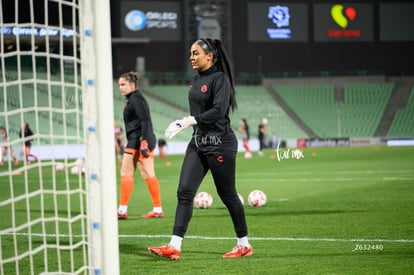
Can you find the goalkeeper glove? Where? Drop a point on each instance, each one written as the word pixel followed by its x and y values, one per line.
pixel 179 125
pixel 143 148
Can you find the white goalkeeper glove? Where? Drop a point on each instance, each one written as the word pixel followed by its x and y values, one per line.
pixel 180 124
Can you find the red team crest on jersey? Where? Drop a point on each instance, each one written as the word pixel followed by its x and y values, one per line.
pixel 204 88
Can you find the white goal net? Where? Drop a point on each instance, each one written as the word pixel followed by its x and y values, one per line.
pixel 57 161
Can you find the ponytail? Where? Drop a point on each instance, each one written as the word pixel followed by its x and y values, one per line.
pixel 131 77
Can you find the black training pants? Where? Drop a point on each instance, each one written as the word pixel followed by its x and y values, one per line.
pixel 195 166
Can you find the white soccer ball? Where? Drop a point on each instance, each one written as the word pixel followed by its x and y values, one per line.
pixel 241 199
pixel 79 167
pixel 203 200
pixel 60 166
pixel 257 198
pixel 248 155
pixel 75 170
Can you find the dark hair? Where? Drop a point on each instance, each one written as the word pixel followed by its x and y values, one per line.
pixel 221 61
pixel 131 77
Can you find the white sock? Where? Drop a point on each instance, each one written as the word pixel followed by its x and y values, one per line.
pixel 176 242
pixel 157 209
pixel 123 208
pixel 244 241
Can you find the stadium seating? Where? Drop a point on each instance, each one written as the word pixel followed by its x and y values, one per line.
pixel 163 111
pixel 358 115
pixel 35 98
pixel 403 123
pixel 254 104
pixel 174 95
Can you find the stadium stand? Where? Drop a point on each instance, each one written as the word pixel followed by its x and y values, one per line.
pixel 403 123
pixel 356 113
pixel 34 97
pixel 163 111
pixel 174 95
pixel 300 108
pixel 254 104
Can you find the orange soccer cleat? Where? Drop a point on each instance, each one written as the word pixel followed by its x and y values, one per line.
pixel 166 251
pixel 153 214
pixel 239 251
pixel 122 216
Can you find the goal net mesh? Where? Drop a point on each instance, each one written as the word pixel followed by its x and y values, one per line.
pixel 45 201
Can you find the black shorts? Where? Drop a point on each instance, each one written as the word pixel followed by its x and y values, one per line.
pixel 133 143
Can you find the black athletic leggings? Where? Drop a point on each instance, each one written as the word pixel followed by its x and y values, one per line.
pixel 195 166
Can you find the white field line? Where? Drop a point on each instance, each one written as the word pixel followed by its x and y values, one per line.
pixel 330 176
pixel 302 239
pixel 319 179
pixel 262 178
pixel 274 239
pixel 334 172
pixel 267 172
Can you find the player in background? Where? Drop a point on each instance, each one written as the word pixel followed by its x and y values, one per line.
pixel 139 150
pixel 119 140
pixel 5 148
pixel 244 130
pixel 162 153
pixel 213 146
pixel 24 133
pixel 261 134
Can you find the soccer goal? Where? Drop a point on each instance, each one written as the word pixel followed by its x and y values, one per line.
pixel 58 180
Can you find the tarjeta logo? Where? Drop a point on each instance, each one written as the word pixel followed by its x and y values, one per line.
pixel 342 17
pixel 280 17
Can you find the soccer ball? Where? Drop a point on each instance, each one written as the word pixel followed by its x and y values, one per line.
pixel 79 167
pixel 203 200
pixel 76 170
pixel 241 199
pixel 257 198
pixel 248 155
pixel 60 166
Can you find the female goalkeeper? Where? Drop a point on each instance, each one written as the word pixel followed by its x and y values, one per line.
pixel 139 150
pixel 213 146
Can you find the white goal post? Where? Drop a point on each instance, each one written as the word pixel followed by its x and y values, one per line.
pixel 58 204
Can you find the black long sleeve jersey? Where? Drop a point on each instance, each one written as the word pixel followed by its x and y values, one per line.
pixel 209 99
pixel 137 119
pixel 26 133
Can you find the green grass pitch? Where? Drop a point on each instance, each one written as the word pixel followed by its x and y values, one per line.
pixel 333 211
